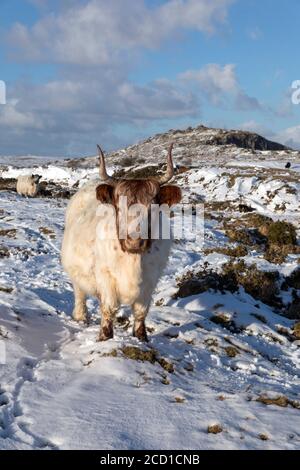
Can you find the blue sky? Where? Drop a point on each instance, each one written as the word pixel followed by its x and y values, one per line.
pixel 85 71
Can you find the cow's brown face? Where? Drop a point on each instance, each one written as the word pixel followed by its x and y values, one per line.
pixel 138 195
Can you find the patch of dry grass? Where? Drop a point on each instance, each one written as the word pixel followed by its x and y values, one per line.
pixel 231 351
pixel 281 401
pixel 10 233
pixel 148 355
pixel 296 330
pixel 235 252
pixel 261 285
pixel 4 252
pixel 282 233
pixel 47 231
pixel 214 429
pixel 277 254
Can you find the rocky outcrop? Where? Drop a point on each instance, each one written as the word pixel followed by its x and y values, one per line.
pixel 246 140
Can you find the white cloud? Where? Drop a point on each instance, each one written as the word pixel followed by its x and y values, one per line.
pixel 69 116
pixel 159 100
pixel 96 43
pixel 258 128
pixel 244 102
pixel 12 117
pixel 201 15
pixel 217 82
pixel 214 80
pixel 98 31
pixel 290 137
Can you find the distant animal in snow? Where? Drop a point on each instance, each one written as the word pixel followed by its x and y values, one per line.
pixel 28 185
pixel 116 270
pixel 288 165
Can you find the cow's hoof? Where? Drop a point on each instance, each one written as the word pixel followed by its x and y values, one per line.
pixel 106 333
pixel 140 332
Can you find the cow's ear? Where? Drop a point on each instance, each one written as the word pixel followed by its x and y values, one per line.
pixel 104 193
pixel 169 195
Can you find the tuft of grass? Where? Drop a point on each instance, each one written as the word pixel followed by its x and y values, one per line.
pixel 235 252
pixel 261 285
pixel 214 429
pixel 281 401
pixel 196 283
pixel 165 381
pixel 150 171
pixel 47 231
pixel 179 399
pixel 127 161
pixel 166 365
pixel 4 252
pixel 239 236
pixel 112 353
pixel 149 355
pixel 278 239
pixel 10 233
pixel 277 254
pixel 219 205
pixel 259 221
pixel 8 184
pixel 211 342
pixel 220 319
pixel 231 351
pixel 282 233
pixel 263 437
pixel 137 354
pixel 296 330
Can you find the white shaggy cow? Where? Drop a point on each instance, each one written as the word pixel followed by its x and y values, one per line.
pixel 116 270
pixel 28 185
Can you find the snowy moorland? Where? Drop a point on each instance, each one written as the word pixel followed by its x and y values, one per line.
pixel 222 368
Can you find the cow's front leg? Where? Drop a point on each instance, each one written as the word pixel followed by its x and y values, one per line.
pixel 80 311
pixel 109 305
pixel 107 322
pixel 140 312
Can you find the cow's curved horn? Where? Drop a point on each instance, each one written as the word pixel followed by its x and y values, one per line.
pixel 102 167
pixel 170 168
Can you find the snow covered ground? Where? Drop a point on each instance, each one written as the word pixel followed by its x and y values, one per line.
pixel 199 384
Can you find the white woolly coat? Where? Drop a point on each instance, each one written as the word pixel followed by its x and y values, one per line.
pixel 27 186
pixel 99 266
